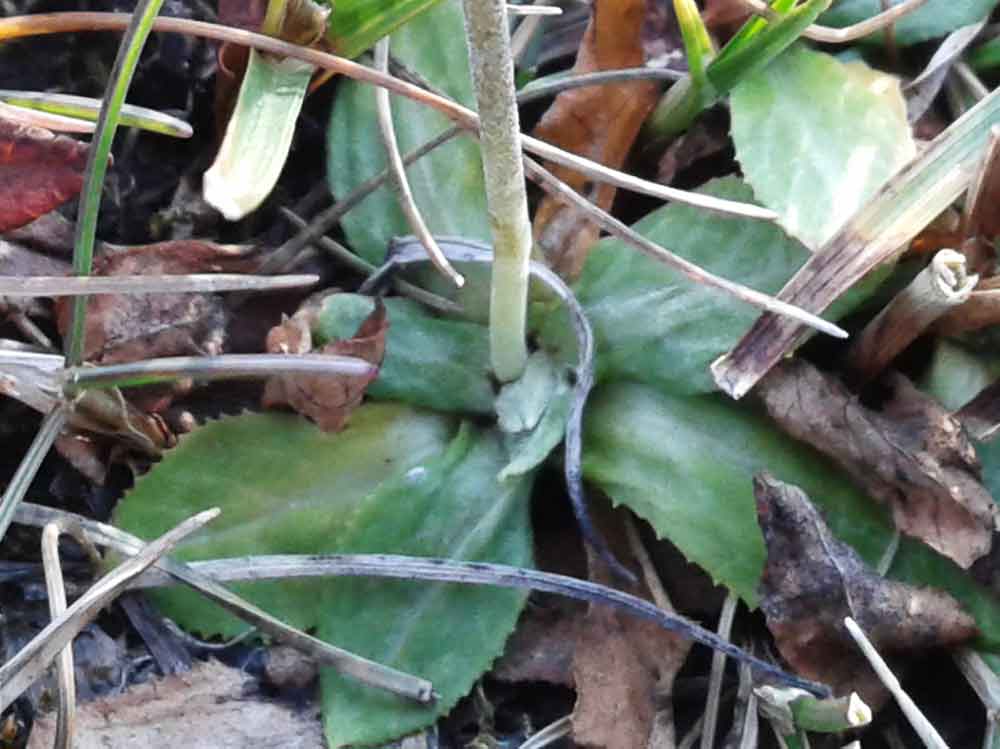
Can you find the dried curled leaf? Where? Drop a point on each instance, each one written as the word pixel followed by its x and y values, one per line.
pixel 599 122
pixel 912 455
pixel 621 664
pixel 326 400
pixel 39 171
pixel 812 581
pixel 125 328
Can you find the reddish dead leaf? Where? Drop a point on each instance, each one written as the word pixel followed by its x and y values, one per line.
pixel 912 455
pixel 812 581
pixel 39 171
pixel 724 15
pixel 124 328
pixel 599 122
pixel 327 400
pixel 623 666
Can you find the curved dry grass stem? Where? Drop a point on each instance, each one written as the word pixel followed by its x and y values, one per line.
pixel 223 367
pixel 54 23
pixel 56 589
pixel 554 186
pixel 366 671
pixel 21 671
pixel 831 35
pixel 405 252
pixel 397 170
pixel 724 630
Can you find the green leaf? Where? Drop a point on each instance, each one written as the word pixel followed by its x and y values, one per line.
pixel 432 362
pixel 532 413
pixel 956 375
pixel 452 506
pixel 655 325
pixel 447 183
pixel 934 19
pixel 258 136
pixel 685 465
pixel 283 486
pixel 817 137
pixel 355 25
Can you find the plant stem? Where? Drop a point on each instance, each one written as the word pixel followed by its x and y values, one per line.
pixel 133 41
pixel 506 197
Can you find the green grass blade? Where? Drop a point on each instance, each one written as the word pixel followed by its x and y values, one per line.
pixel 88 109
pixel 355 25
pixel 698 46
pixel 686 100
pixel 97 162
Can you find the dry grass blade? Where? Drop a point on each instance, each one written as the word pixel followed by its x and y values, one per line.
pixel 986 684
pixel 534 10
pixel 366 671
pixel 830 35
pixel 550 734
pixel 224 367
pixel 399 567
pixel 875 235
pixel 195 283
pixel 610 224
pixel 383 117
pixel 51 426
pixel 55 122
pixel 56 590
pixel 543 89
pixel 941 286
pixel 927 733
pixel 365 268
pixel 31 661
pixel 718 670
pixel 51 23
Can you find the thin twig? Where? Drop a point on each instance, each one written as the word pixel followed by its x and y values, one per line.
pixel 195 283
pixel 543 89
pixel 383 117
pixel 698 275
pixel 328 218
pixel 51 425
pixel 942 285
pixel 550 734
pixel 56 589
pixel 51 23
pixel 362 266
pixel 404 252
pixel 986 684
pixel 393 566
pixel 365 671
pixel 20 672
pixel 534 10
pixel 830 35
pixel 224 367
pixel 923 727
pixel 718 670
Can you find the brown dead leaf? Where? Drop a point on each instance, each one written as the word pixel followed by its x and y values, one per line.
pixel 124 328
pixel 724 15
pixel 623 667
pixel 599 122
pixel 39 171
pixel 812 581
pixel 542 646
pixel 912 455
pixel 210 707
pixel 328 401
